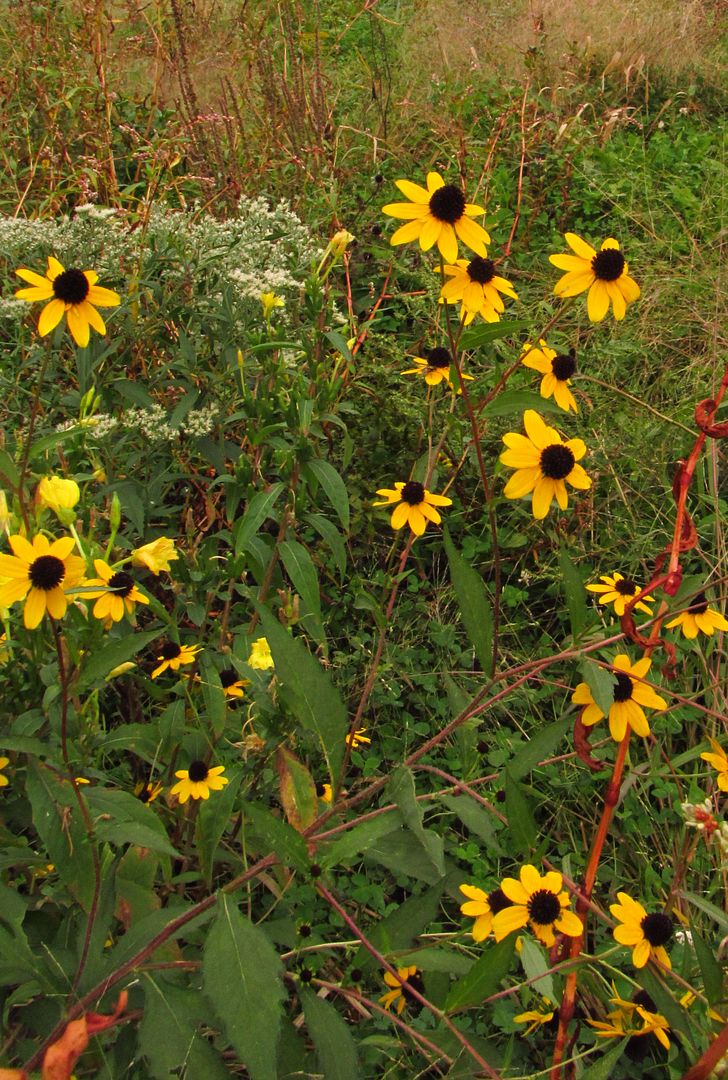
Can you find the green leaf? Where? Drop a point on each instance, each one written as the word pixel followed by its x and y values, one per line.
pixel 434 959
pixel 600 682
pixel 257 510
pixel 167 1033
pixel 121 818
pixel 398 930
pixel 310 693
pixel 539 747
pixel 482 335
pixel 575 594
pixel 485 976
pixel 297 790
pixel 17 963
pixel 714 912
pixel 213 695
pixel 332 484
pixel 9 474
pixel 397 852
pixel 358 840
pixel 476 818
pixel 242 978
pixel 100 662
pixel 332 537
pixel 665 1003
pixel 514 402
pixel 212 819
pixel 300 569
pixel 603 1067
pixel 474 604
pixel 278 836
pixel 401 790
pixel 60 825
pixel 535 964
pixel 710 969
pixel 335 1048
pixel 521 824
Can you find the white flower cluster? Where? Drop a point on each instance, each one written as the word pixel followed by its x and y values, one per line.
pixel 199 422
pixel 151 422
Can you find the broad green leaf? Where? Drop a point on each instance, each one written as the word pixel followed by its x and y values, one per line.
pixel 278 836
pixel 521 825
pixel 333 485
pixel 213 695
pixel 257 510
pixel 332 1039
pixel 121 818
pixel 309 691
pixel 603 1067
pixel 475 818
pixel 60 825
pixel 535 964
pixel 541 746
pixel 357 840
pixel 13 906
pixel 9 475
pixel 332 537
pixel 139 933
pixel 300 569
pixel 398 930
pixel 298 791
pixel 97 664
pixel 485 976
pixel 710 969
pixel 515 402
pixel 575 595
pixel 241 974
pixel 445 960
pixel 401 790
pixel 212 819
pixel 601 683
pixel 48 442
pixel 397 852
pixel 167 1034
pixel 474 604
pixel 482 335
pixel 712 910
pixel 17 963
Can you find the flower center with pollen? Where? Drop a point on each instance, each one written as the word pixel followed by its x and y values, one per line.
pixel 563 366
pixel 481 270
pixel 557 461
pixel 543 907
pixel 71 286
pixel 198 771
pixel 497 901
pixel 46 572
pixel 121 583
pixel 623 690
pixel 439 358
pixel 413 493
pixel 625 587
pixel 447 204
pixel 699 605
pixel 657 929
pixel 228 677
pixel 170 650
pixel 608 264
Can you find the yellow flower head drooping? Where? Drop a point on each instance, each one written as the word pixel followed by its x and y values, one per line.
pixel 325 793
pixel 631 697
pixel 172 656
pixel 535 1018
pixel 483 907
pixel 438 215
pixel 44 572
pixel 261 658
pixel 73 293
pixel 604 273
pixel 544 464
pixel 699 618
pixel 619 590
pixel 197 781
pixel 396 995
pixel 233 685
pixel 477 287
pixel 416 505
pixel 270 300
pixel 557 370
pixel 59 495
pixel 4 762
pixel 646 934
pixel 118 594
pixel 539 902
pixel 358 738
pixel 719 760
pixel 435 368
pixel 156 555
pixel 633 1019
pixel 148 792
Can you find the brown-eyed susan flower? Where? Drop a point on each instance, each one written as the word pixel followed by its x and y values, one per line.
pixel 118 594
pixel 544 464
pixel 633 1019
pixel 646 934
pixel 619 590
pixel 156 555
pixel 406 976
pixel 437 215
pixel 325 793
pixel 197 781
pixel 261 658
pixel 358 738
pixel 73 293
pixel 477 286
pixel 148 792
pixel 416 505
pixel 604 273
pixel 483 906
pixel 434 367
pixel 232 683
pixel 699 618
pixel 719 760
pixel 557 370
pixel 630 698
pixel 539 902
pixel 535 1018
pixel 42 571
pixel 4 762
pixel 173 656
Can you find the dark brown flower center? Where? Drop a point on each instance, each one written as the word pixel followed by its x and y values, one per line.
pixel 170 650
pixel 447 204
pixel 71 286
pixel 657 928
pixel 198 771
pixel 228 677
pixel 47 572
pixel 563 366
pixel 497 901
pixel 145 794
pixel 543 907
pixel 413 493
pixel 439 358
pixel 608 265
pixel 415 982
pixel 557 461
pixel 121 583
pixel 623 690
pixel 699 605
pixel 625 587
pixel 481 270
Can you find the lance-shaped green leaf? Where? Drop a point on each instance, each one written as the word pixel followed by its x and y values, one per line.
pixel 257 510
pixel 97 665
pixel 485 976
pixel 58 820
pixel 332 1040
pixel 539 747
pixel 521 824
pixel 401 790
pixel 474 604
pixel 573 588
pixel 333 485
pixel 600 682
pixel 300 569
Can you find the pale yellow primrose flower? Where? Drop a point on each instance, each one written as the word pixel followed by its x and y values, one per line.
pixel 260 655
pixel 270 300
pixel 59 495
pixel 155 556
